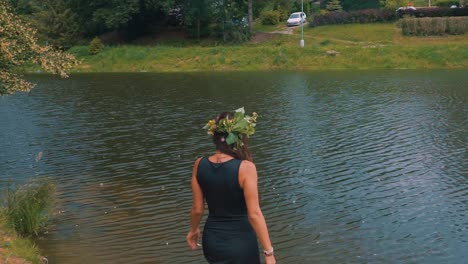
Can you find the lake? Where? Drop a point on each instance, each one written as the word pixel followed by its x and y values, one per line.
pixel 354 166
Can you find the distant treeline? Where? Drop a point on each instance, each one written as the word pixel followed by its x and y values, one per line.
pixel 65 23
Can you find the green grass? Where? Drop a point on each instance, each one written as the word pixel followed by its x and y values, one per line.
pixel 12 246
pixel 24 214
pixel 28 206
pixel 360 46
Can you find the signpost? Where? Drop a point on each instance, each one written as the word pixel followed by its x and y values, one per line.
pixel 302 25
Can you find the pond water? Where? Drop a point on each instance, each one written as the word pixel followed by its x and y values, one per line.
pixel 354 166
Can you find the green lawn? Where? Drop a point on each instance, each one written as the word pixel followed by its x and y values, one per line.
pixel 359 46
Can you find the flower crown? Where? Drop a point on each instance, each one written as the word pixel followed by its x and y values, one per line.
pixel 235 128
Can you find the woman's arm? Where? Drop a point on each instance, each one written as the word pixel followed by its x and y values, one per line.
pixel 197 209
pixel 248 181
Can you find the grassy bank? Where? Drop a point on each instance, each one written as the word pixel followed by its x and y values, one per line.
pixel 357 46
pixel 24 213
pixel 15 249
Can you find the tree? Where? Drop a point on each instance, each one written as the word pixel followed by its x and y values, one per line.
pixel 250 12
pixel 197 17
pixel 334 5
pixel 393 4
pixel 130 16
pixel 56 23
pixel 359 4
pixel 18 46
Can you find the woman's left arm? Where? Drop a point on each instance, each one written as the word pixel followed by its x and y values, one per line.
pixel 197 209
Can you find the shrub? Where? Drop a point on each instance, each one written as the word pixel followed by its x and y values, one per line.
pixel 28 206
pixel 238 35
pixel 359 16
pixel 95 46
pixel 314 8
pixel 334 5
pixel 428 26
pixel 433 12
pixel 446 3
pixel 270 17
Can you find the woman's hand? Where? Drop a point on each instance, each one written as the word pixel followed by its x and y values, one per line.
pixel 192 238
pixel 270 259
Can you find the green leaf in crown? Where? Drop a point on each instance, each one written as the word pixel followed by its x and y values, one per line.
pixel 235 128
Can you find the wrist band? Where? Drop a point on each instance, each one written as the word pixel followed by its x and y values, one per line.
pixel 268 253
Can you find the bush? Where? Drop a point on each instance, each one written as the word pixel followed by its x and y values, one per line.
pixel 238 34
pixel 314 8
pixel 428 26
pixel 433 12
pixel 95 46
pixel 446 3
pixel 28 206
pixel 270 17
pixel 359 16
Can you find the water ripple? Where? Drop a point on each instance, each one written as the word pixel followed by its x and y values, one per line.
pixel 353 168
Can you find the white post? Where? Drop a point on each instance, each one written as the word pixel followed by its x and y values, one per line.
pixel 302 25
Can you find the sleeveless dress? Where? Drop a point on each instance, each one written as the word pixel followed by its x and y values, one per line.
pixel 228 237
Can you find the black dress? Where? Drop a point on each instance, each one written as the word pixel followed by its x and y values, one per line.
pixel 228 236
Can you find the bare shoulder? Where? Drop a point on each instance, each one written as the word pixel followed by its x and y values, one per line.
pixel 198 160
pixel 247 167
pixel 195 164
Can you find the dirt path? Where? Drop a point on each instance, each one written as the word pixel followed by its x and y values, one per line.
pixel 260 37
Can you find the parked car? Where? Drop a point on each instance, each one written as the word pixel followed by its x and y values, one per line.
pixel 406 8
pixel 296 19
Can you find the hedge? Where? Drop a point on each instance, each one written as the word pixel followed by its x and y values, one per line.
pixel 270 17
pixel 433 12
pixel 446 3
pixel 358 16
pixel 429 26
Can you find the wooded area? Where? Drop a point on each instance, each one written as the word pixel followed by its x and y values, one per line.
pixel 64 23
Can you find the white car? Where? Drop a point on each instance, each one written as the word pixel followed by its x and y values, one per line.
pixel 296 19
pixel 406 8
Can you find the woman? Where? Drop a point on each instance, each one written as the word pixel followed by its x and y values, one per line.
pixel 227 180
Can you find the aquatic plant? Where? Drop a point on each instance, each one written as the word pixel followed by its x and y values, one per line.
pixel 27 207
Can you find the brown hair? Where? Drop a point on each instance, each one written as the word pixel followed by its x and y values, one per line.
pixel 219 139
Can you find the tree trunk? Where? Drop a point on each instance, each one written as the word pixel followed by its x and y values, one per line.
pixel 198 28
pixel 250 17
pixel 198 25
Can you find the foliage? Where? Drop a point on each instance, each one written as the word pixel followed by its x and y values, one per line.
pixel 197 17
pixel 361 46
pixel 394 4
pixel 358 16
pixel 14 245
pixel 237 127
pixel 28 206
pixel 349 5
pixel 237 34
pixel 429 26
pixel 433 12
pixel 446 3
pixel 270 17
pixel 334 5
pixel 95 46
pixel 297 6
pixel 55 21
pixel 314 8
pixel 18 46
pixel 133 17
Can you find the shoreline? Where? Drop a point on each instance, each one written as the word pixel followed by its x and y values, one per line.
pixel 335 47
pixel 15 249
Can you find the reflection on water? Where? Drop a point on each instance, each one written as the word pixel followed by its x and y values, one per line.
pixel 354 167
